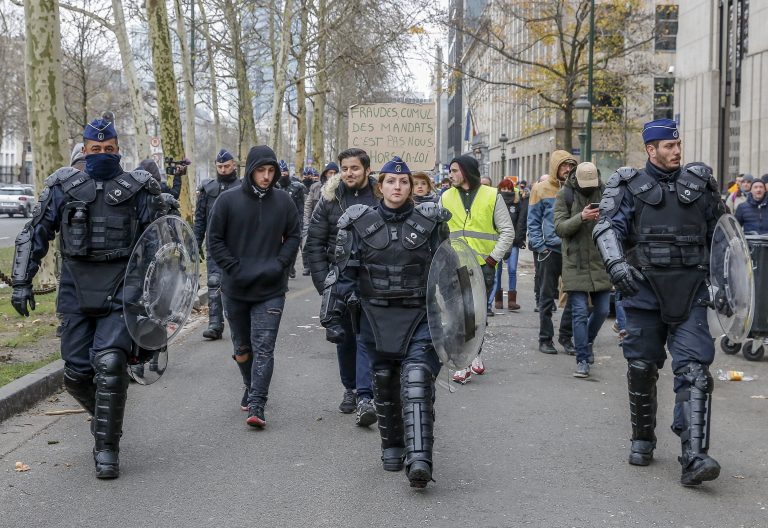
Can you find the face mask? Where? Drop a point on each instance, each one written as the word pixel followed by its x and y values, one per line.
pixel 103 166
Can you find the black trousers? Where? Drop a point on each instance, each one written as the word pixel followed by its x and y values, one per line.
pixel 550 268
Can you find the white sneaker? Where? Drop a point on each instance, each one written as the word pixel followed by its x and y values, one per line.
pixel 462 376
pixel 477 366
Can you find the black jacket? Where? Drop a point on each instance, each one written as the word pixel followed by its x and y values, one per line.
pixel 254 235
pixel 521 225
pixel 321 235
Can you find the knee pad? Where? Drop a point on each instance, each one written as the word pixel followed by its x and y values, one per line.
pixel 214 281
pixel 694 376
pixel 642 372
pixel 386 384
pixel 110 370
pixel 416 380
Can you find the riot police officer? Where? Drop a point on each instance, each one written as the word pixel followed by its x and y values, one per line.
pixel 383 256
pixel 100 213
pixel 654 235
pixel 207 193
pixel 298 194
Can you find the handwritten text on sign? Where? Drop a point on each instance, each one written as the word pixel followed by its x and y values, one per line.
pixel 394 129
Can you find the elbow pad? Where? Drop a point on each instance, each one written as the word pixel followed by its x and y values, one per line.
pixel 608 243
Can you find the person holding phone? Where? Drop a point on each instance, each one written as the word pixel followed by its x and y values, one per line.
pixel 584 276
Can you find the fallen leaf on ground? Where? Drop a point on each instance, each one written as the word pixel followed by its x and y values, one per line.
pixel 64 411
pixel 738 476
pixel 21 467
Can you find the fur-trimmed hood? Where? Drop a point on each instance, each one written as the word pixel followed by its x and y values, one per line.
pixel 334 187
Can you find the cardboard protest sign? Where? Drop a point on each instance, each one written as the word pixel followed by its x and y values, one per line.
pixel 385 130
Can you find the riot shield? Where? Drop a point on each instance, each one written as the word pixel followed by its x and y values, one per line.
pixel 456 303
pixel 147 366
pixel 731 279
pixel 160 283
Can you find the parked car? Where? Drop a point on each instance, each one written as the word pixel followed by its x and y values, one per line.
pixel 17 200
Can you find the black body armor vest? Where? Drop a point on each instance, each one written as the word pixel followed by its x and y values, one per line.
pixel 213 188
pixel 394 258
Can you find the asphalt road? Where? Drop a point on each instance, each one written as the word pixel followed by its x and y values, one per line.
pixel 9 228
pixel 524 445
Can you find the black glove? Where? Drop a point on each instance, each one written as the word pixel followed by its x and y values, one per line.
pixel 200 252
pixel 623 276
pixel 489 276
pixel 722 305
pixel 23 295
pixel 334 331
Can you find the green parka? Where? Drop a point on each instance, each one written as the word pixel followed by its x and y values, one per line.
pixel 583 268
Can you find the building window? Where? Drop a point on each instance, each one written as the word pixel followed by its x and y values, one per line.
pixel 663 97
pixel 666 27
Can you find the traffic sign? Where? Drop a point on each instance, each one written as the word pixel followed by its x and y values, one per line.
pixel 154 141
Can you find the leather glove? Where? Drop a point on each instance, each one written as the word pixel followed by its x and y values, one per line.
pixel 722 305
pixel 23 295
pixel 334 331
pixel 489 276
pixel 624 277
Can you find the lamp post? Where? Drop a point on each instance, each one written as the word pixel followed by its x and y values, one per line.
pixel 503 143
pixel 583 108
pixel 587 153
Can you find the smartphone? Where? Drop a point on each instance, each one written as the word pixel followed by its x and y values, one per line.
pixel 594 205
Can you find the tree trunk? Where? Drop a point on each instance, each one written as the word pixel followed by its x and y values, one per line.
pixel 45 105
pixel 301 91
pixel 212 74
pixel 132 79
pixel 167 98
pixel 189 96
pixel 279 74
pixel 246 123
pixel 321 85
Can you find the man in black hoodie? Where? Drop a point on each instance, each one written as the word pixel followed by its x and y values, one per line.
pixel 353 186
pixel 254 236
pixel 207 194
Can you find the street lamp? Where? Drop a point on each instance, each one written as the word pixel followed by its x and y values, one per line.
pixel 583 108
pixel 503 142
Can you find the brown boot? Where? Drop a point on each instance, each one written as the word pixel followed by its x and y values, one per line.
pixel 512 300
pixel 498 300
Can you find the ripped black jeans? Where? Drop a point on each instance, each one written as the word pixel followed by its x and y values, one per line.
pixel 254 329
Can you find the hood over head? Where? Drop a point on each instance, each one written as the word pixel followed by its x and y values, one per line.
pixel 330 167
pixel 259 156
pixel 151 167
pixel 557 158
pixel 77 154
pixel 469 168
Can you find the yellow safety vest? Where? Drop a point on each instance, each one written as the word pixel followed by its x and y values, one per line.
pixel 476 228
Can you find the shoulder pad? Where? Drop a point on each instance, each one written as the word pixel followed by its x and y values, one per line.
pixel 703 172
pixel 644 187
pixel 141 176
pixel 211 188
pixel 145 179
pixel 352 213
pixel 434 211
pixel 60 175
pixel 627 173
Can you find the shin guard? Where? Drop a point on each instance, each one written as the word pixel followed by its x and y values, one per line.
pixel 389 410
pixel 107 423
pixel 418 418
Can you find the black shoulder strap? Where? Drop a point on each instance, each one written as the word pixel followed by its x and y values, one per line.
pixel 568 196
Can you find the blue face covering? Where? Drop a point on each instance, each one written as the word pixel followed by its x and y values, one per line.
pixel 103 166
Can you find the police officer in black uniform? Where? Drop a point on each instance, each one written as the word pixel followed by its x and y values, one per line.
pixel 209 191
pixel 383 256
pixel 100 213
pixel 298 194
pixel 654 233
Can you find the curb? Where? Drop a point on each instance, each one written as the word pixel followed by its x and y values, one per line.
pixel 23 393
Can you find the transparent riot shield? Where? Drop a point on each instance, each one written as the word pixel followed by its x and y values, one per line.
pixel 731 279
pixel 160 288
pixel 456 304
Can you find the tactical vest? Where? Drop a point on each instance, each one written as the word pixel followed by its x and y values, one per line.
pixel 476 228
pixel 394 258
pixel 99 221
pixel 213 188
pixel 668 238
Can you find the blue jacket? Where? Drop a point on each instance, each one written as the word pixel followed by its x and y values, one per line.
pixel 753 216
pixel 541 218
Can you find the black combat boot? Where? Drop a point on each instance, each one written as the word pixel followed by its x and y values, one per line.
pixel 245 371
pixel 641 382
pixel 389 410
pixel 215 309
pixel 693 407
pixel 107 423
pixel 418 389
pixel 82 388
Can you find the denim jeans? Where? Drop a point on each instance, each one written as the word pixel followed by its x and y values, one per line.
pixel 586 325
pixel 621 315
pixel 550 269
pixel 514 253
pixel 254 329
pixel 354 363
